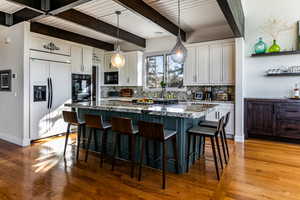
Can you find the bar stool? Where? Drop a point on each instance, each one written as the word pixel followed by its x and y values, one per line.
pixel 124 126
pixel 156 132
pixel 213 134
pixel 95 122
pixel 72 119
pixel 213 124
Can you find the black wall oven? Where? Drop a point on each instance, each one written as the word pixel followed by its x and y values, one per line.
pixel 81 88
pixel 111 78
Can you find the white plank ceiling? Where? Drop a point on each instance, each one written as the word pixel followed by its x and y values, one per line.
pixel 8 7
pixel 104 10
pixel 195 15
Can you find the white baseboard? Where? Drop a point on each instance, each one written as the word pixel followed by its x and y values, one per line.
pixel 12 139
pixel 239 138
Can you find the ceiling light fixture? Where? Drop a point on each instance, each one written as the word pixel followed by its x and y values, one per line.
pixel 118 60
pixel 179 52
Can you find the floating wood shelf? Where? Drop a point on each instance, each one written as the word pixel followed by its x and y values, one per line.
pixel 284 74
pixel 282 53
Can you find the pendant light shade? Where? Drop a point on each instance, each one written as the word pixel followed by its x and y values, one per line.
pixel 179 52
pixel 117 59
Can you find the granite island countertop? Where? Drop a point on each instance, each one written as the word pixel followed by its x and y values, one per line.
pixel 182 110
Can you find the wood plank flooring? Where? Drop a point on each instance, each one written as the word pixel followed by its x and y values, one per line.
pixel 258 170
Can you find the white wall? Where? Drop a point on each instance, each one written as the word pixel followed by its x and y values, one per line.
pixel 11 103
pixel 257 13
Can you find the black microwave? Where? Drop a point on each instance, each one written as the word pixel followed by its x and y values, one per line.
pixel 111 78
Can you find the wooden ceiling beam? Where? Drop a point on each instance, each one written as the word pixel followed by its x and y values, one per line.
pixel 141 8
pixel 17 17
pixel 100 26
pixel 234 14
pixel 69 36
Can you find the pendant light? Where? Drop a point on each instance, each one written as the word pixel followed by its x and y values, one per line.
pixel 118 60
pixel 179 52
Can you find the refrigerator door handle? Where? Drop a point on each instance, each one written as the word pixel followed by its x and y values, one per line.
pixel 51 92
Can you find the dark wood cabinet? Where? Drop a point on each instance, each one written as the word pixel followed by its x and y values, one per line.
pixel 272 118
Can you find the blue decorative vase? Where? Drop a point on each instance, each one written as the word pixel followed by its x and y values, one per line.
pixel 260 46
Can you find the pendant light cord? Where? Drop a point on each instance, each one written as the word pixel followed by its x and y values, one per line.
pixel 118 29
pixel 179 31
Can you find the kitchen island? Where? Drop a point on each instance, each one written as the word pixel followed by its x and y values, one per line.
pixel 179 117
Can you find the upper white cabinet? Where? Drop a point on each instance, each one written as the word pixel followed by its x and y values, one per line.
pixel 50 45
pixel 131 73
pixel 82 59
pixel 210 64
pixel 228 58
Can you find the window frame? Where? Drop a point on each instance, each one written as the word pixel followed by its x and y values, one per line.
pixel 165 69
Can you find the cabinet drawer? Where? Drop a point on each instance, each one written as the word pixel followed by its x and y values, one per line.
pixel 288 112
pixel 288 129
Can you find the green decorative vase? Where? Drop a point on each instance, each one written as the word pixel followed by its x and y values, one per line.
pixel 274 48
pixel 260 47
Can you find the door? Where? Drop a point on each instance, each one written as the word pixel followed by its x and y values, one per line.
pixel 60 74
pixel 216 64
pixel 228 63
pixel 190 70
pixel 260 118
pixel 203 64
pixel 39 112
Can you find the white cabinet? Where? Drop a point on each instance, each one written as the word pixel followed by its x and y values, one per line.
pixel 82 59
pixel 190 67
pixel 210 64
pixel 216 64
pixel 222 110
pixel 203 61
pixel 50 45
pixel 131 73
pixel 228 60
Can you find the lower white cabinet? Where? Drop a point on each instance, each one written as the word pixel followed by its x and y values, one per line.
pixel 82 59
pixel 222 110
pixel 210 64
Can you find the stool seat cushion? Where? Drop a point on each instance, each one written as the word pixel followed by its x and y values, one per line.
pixel 79 123
pixel 169 133
pixel 211 124
pixel 201 130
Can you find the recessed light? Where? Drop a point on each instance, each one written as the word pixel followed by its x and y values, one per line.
pixel 158 32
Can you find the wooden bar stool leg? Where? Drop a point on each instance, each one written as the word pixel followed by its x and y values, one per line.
pixel 194 149
pixel 215 156
pixel 103 151
pixel 88 144
pixel 95 140
pixel 203 150
pixel 175 149
pixel 78 141
pixel 164 163
pixel 115 144
pixel 188 153
pixel 224 135
pixel 147 153
pixel 132 152
pixel 223 148
pixel 67 137
pixel 219 151
pixel 141 158
pixel 83 135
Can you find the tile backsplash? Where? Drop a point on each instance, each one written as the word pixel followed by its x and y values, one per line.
pixel 187 94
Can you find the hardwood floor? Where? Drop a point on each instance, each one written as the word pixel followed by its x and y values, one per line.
pixel 257 170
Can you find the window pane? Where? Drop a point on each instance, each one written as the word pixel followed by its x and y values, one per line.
pixel 155 70
pixel 174 73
